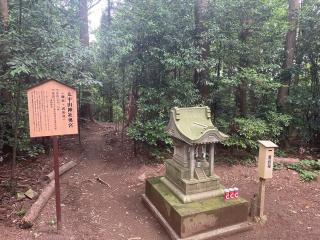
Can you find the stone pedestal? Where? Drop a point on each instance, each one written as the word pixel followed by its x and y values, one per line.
pixel 178 175
pixel 201 219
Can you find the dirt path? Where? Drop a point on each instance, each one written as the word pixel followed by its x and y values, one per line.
pixel 93 210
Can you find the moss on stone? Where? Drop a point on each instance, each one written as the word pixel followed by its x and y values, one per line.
pixel 185 209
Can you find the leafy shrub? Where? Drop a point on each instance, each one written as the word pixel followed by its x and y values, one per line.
pixel 279 152
pixel 278 166
pixel 154 105
pixel 245 132
pixel 150 132
pixel 307 169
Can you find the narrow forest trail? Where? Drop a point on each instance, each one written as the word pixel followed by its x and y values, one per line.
pixel 92 210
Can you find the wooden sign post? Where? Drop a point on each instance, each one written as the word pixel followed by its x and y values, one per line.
pixel 265 168
pixel 52 108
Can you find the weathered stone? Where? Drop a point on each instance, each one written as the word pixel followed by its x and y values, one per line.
pixel 20 196
pixel 192 218
pixel 189 200
pixel 191 170
pixel 31 194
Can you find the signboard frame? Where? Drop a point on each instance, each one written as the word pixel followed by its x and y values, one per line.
pixel 53 111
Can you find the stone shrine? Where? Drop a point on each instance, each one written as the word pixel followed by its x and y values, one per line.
pixel 188 200
pixel 190 173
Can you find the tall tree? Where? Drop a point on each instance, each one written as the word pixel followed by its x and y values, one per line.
pixel 3 92
pixel 4 12
pixel 290 53
pixel 241 91
pixel 201 74
pixel 86 106
pixel 84 26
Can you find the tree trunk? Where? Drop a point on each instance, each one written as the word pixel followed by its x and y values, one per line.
pixel 201 75
pixel 290 53
pixel 109 11
pixel 62 169
pixel 15 139
pixel 86 107
pixel 110 84
pixel 241 95
pixel 84 26
pixel 132 105
pixel 4 13
pixel 241 91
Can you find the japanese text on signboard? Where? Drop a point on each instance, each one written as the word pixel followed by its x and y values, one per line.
pixel 52 109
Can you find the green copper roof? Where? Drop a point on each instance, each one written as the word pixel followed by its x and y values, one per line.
pixel 193 125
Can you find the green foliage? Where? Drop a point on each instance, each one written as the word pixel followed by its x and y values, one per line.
pixel 279 152
pixel 305 93
pixel 39 43
pixel 32 151
pixel 146 56
pixel 150 132
pixel 21 212
pixel 307 169
pixel 278 166
pixel 245 132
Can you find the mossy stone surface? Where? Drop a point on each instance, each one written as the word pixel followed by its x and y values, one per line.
pixel 192 125
pixel 192 218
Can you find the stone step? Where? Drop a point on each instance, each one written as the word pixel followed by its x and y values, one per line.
pixel 200 173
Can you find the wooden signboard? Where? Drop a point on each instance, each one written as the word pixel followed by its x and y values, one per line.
pixel 52 109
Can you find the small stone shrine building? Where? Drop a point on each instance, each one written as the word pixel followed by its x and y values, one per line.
pixel 188 200
pixel 190 173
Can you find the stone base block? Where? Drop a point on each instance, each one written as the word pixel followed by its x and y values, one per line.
pixel 196 220
pixel 195 196
pixel 179 175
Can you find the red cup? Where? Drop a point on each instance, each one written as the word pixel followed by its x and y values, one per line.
pixel 231 191
pixel 226 194
pixel 236 192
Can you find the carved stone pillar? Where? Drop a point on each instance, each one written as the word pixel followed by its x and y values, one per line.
pixel 211 159
pixel 204 153
pixel 192 162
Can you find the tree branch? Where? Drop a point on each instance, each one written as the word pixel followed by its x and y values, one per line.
pixel 93 4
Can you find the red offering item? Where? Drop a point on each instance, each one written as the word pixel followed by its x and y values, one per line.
pixel 231 191
pixel 226 194
pixel 236 192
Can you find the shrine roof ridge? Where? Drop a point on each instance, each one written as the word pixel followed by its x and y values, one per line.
pixel 193 125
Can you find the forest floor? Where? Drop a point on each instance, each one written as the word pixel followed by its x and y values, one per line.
pixel 92 210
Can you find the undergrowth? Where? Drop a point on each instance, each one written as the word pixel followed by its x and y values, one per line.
pixel 308 169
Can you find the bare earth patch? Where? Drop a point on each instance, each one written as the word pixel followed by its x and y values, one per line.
pixel 112 209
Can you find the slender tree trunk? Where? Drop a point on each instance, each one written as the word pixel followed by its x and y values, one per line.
pixel 84 26
pixel 123 68
pixel 241 91
pixel 241 95
pixel 86 107
pixel 315 90
pixel 132 104
pixel 290 53
pixel 110 85
pixel 201 75
pixel 4 13
pixel 16 133
pixel 3 92
pixel 109 11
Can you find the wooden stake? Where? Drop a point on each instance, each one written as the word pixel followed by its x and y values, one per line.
pixel 262 192
pixel 57 180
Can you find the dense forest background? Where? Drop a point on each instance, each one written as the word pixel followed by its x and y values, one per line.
pixel 254 63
